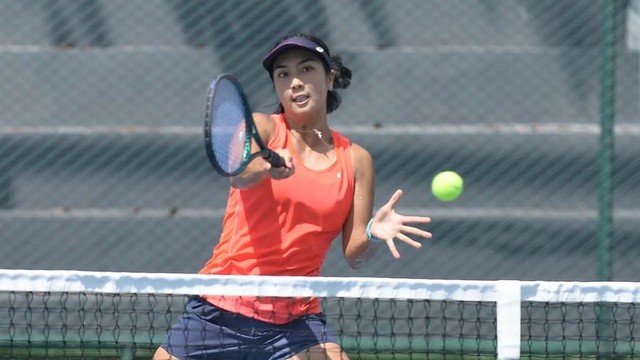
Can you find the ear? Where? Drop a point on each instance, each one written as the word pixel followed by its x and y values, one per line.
pixel 330 77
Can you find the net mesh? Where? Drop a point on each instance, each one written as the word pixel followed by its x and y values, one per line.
pixel 103 103
pixel 63 324
pixel 74 315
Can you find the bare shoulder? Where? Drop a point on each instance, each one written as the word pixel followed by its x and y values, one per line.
pixel 265 124
pixel 361 159
pixel 263 119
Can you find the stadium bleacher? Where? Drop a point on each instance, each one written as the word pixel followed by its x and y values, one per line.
pixel 139 58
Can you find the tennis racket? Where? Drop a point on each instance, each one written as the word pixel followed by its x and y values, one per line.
pixel 229 129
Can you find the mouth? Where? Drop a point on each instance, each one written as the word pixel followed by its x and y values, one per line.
pixel 300 99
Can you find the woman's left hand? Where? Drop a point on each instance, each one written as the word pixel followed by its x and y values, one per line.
pixel 388 225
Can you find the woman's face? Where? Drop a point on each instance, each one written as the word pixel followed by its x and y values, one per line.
pixel 301 82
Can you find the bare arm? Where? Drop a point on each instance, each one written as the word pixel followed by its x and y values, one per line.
pixel 385 226
pixel 258 169
pixel 355 245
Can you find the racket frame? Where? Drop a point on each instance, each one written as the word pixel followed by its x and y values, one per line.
pixel 250 131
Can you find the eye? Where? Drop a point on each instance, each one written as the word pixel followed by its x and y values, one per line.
pixel 281 74
pixel 307 68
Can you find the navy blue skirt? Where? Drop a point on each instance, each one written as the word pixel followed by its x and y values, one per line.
pixel 205 331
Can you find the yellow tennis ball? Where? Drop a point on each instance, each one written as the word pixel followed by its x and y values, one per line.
pixel 447 186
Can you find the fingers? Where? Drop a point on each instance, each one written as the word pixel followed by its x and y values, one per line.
pixel 396 222
pixel 404 238
pixel 393 250
pixel 416 231
pixel 285 171
pixel 286 156
pixel 416 219
pixel 394 199
pixel 289 162
pixel 281 172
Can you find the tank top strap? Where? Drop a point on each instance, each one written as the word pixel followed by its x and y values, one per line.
pixel 279 136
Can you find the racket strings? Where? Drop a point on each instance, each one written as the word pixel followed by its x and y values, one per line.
pixel 229 139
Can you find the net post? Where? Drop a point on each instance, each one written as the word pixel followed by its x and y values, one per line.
pixel 126 353
pixel 606 156
pixel 606 153
pixel 508 317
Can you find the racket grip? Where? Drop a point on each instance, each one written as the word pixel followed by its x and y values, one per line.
pixel 274 159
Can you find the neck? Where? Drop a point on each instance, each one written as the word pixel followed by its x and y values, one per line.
pixel 310 134
pixel 319 129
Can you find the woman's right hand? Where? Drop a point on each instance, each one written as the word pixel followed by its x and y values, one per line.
pixel 279 173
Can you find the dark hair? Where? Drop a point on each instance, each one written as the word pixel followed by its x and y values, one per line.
pixel 342 79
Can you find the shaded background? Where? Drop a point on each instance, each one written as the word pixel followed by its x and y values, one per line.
pixel 102 165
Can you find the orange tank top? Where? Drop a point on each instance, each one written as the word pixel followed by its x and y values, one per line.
pixel 283 227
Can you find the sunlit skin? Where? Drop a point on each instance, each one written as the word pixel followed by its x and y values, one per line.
pixel 301 83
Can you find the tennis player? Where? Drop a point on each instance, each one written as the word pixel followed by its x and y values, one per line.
pixel 282 221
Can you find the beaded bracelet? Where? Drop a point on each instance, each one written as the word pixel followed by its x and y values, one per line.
pixel 369 235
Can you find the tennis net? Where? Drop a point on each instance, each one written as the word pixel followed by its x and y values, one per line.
pixel 106 315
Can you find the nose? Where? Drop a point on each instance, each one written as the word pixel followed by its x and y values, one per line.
pixel 296 83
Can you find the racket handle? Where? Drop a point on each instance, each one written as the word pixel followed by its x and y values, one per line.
pixel 274 159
